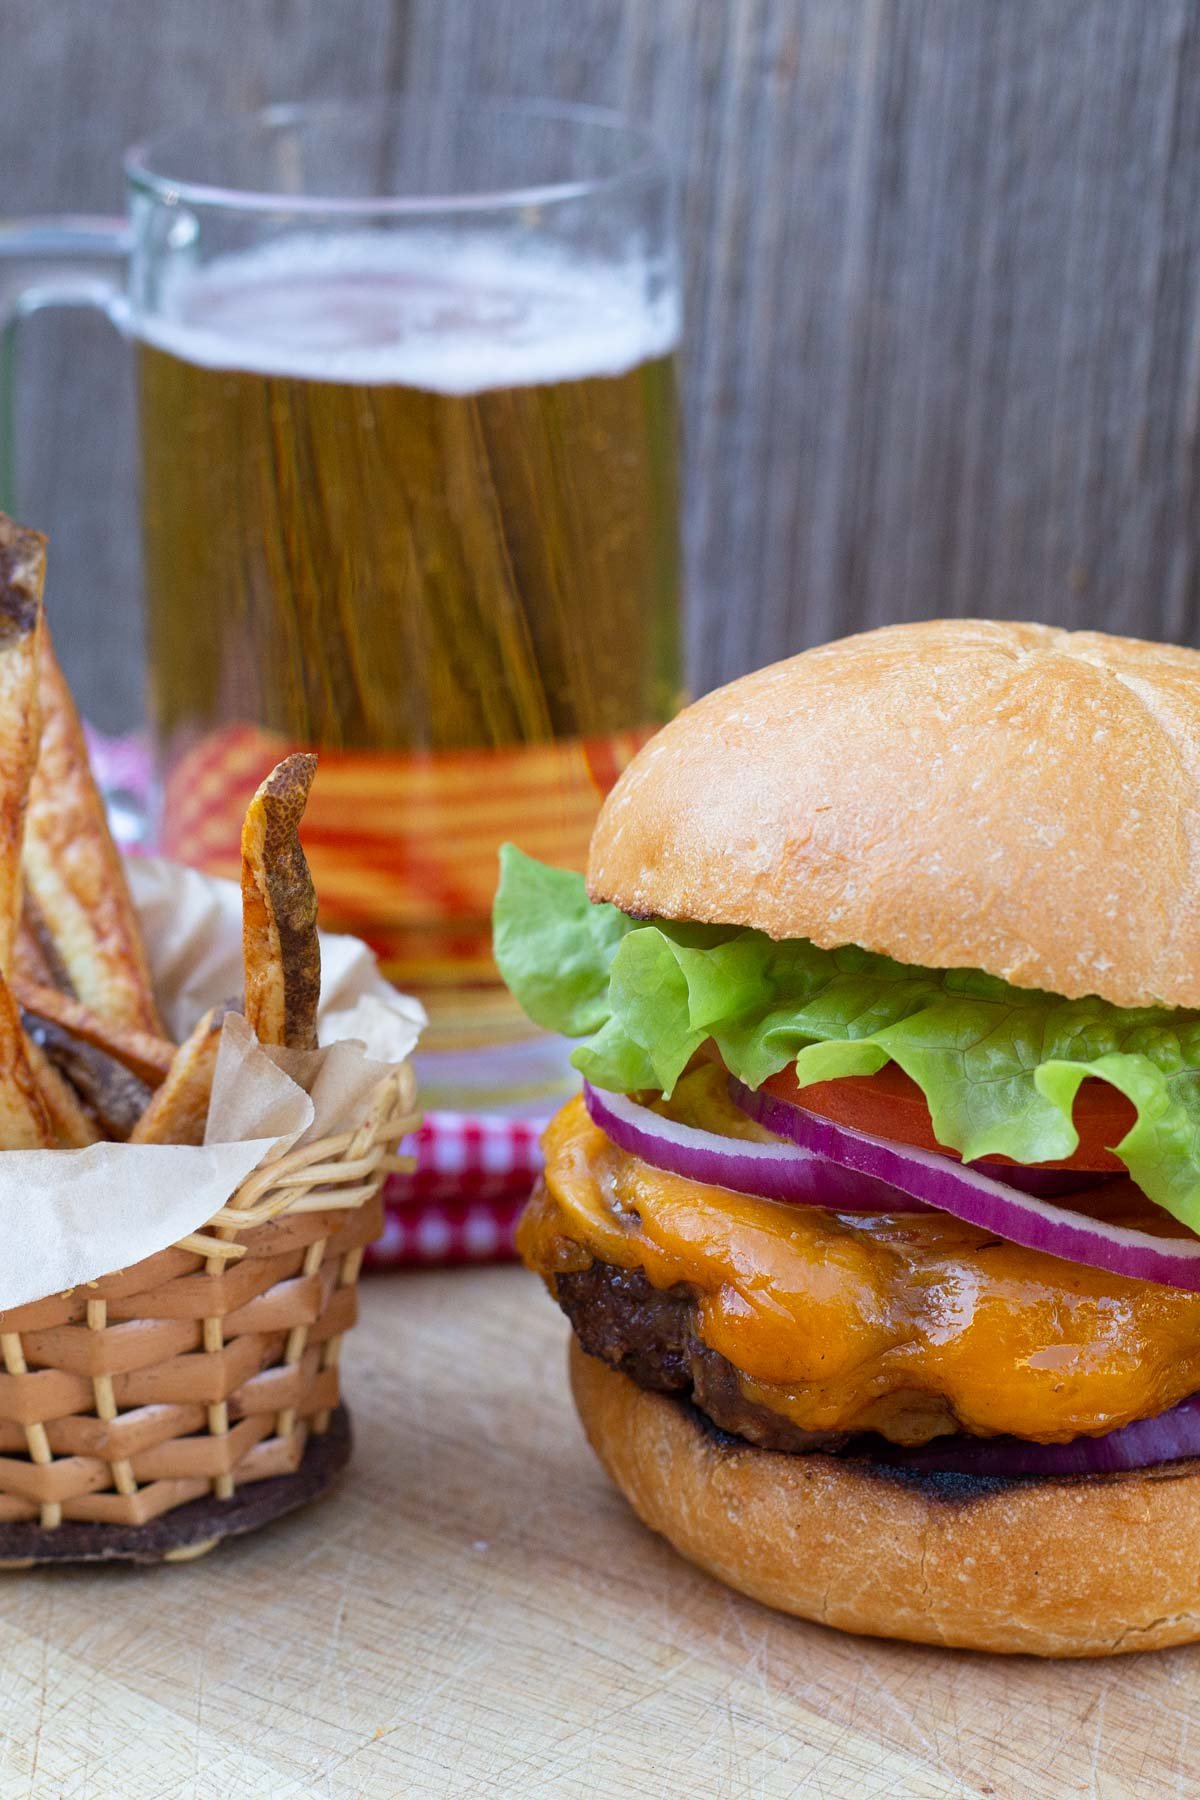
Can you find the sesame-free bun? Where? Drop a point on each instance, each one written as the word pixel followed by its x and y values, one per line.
pixel 957 794
pixel 1085 1566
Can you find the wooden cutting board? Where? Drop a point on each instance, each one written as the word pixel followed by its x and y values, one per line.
pixel 476 1613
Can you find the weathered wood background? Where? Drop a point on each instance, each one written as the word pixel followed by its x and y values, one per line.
pixel 943 256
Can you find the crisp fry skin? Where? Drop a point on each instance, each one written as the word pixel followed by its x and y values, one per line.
pixel 73 1126
pixel 29 961
pixel 24 1124
pixel 73 870
pixel 146 1056
pixel 279 911
pixel 107 1091
pixel 179 1110
pixel 22 573
pixel 114 1097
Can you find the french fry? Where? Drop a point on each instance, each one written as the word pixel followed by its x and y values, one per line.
pixel 24 1124
pixel 73 1126
pixel 73 871
pixel 107 1093
pixel 30 961
pixel 280 950
pixel 144 1055
pixel 114 1097
pixel 179 1110
pixel 22 573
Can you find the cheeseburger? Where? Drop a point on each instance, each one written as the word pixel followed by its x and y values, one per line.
pixel 875 1220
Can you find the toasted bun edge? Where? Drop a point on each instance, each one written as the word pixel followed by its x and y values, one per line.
pixel 1092 1566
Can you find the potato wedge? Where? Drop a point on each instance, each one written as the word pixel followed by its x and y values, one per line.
pixel 22 572
pixel 73 870
pixel 144 1055
pixel 179 1110
pixel 280 950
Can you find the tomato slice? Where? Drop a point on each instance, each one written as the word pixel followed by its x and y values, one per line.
pixel 891 1105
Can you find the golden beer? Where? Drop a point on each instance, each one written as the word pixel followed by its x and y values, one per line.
pixel 418 511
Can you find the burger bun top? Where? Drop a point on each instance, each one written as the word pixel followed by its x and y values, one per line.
pixel 959 793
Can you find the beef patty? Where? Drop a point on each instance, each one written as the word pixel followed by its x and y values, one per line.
pixel 647 1333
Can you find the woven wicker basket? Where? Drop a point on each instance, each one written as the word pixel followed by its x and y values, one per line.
pixel 170 1387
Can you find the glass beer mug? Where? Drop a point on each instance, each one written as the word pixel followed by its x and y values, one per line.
pixel 406 380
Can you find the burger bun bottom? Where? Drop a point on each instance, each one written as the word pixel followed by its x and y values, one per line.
pixel 1080 1566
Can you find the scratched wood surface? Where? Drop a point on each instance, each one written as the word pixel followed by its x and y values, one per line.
pixel 477 1614
pixel 943 274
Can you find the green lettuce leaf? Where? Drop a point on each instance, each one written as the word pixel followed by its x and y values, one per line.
pixel 999 1066
pixel 552 946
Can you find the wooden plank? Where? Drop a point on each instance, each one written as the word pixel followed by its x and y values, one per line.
pixel 476 1612
pixel 943 271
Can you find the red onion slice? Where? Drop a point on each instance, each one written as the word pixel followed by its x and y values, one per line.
pixel 994 1206
pixel 771 1171
pixel 1169 1437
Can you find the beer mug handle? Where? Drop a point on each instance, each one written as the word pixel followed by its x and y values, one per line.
pixel 57 261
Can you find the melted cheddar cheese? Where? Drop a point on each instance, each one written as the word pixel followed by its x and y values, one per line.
pixel 913 1324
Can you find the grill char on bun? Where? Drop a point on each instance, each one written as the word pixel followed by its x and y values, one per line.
pixel 1008 799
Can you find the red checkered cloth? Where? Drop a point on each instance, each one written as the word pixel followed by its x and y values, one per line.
pixel 473 1173
pixel 462 1202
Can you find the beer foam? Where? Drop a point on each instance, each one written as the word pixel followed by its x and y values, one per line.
pixel 452 314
